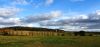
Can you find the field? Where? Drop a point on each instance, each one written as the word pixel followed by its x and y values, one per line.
pixel 64 41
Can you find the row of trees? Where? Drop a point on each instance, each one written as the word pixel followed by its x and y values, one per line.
pixel 81 33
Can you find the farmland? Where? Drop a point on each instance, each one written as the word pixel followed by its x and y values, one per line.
pixel 54 41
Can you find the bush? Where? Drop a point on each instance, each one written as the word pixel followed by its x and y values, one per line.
pixel 5 33
pixel 75 33
pixel 90 35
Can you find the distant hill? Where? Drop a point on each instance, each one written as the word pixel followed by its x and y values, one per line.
pixel 29 28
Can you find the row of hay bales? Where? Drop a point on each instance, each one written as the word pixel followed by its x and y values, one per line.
pixel 31 33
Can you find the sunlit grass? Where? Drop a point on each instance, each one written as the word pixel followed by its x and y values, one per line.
pixel 65 41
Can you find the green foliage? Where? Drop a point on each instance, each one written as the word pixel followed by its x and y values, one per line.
pixel 82 33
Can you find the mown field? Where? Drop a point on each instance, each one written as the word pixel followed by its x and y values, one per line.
pixel 65 41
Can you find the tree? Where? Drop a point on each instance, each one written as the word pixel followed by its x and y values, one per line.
pixel 82 33
pixel 62 34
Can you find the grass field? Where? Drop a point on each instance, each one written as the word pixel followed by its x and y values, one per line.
pixel 65 41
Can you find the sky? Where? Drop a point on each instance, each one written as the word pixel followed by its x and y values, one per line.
pixel 68 15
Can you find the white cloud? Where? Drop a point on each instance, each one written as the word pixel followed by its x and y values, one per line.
pixel 32 25
pixel 7 12
pixel 49 2
pixel 15 20
pixel 20 2
pixel 98 12
pixel 80 16
pixel 31 3
pixel 56 13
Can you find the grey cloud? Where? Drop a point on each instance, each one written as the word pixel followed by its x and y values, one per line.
pixel 92 22
pixel 88 21
pixel 37 18
pixel 94 26
pixel 51 23
pixel 7 23
pixel 8 16
pixel 8 12
pixel 42 17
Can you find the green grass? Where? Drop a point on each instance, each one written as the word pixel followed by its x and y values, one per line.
pixel 65 41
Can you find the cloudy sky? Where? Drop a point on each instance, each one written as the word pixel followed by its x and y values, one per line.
pixel 56 14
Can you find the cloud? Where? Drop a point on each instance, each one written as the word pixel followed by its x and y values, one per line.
pixel 89 21
pixel 43 17
pixel 9 21
pixel 49 2
pixel 21 2
pixel 98 12
pixel 52 23
pixel 8 12
pixel 92 21
pixel 31 3
pixel 8 16
pixel 65 21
